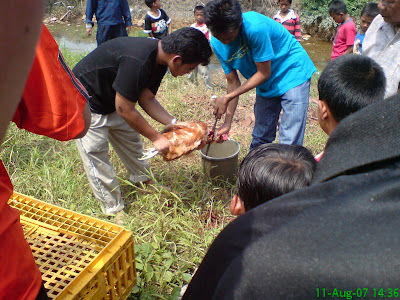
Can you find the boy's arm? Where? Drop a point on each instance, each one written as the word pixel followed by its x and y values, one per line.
pixel 147 26
pixel 350 33
pixel 297 29
pixel 349 50
pixel 170 27
pixel 127 110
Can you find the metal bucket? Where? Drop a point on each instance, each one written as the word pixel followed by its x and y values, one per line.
pixel 221 162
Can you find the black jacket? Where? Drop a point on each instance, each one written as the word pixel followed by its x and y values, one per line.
pixel 338 238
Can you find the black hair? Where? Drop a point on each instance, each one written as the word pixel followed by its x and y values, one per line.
pixel 370 10
pixel 290 1
pixel 191 44
pixel 349 83
pixel 221 16
pixel 336 7
pixel 198 8
pixel 149 3
pixel 271 170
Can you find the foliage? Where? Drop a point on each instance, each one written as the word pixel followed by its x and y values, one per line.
pixel 172 228
pixel 315 18
pixel 320 7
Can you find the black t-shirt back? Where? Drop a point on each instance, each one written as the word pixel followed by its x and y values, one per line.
pixel 125 65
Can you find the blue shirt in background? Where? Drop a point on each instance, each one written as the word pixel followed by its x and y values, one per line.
pixel 358 42
pixel 108 13
pixel 262 39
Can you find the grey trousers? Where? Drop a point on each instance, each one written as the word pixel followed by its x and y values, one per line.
pixel 205 75
pixel 93 149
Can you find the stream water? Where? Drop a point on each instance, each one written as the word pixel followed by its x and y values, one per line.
pixel 73 38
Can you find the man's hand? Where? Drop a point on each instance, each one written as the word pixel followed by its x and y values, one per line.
pixel 88 31
pixel 162 144
pixel 128 29
pixel 223 132
pixel 220 106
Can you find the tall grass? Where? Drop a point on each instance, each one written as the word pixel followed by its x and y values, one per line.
pixel 172 229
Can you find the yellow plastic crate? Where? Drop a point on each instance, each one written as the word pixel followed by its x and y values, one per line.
pixel 80 257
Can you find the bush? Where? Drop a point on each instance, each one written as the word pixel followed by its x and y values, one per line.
pixel 316 20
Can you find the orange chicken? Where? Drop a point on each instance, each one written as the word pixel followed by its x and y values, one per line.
pixel 184 137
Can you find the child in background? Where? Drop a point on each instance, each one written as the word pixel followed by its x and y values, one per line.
pixel 368 14
pixel 203 70
pixel 269 171
pixel 288 18
pixel 347 85
pixel 156 22
pixel 346 32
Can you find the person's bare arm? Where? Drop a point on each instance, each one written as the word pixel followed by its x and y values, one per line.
pixel 17 50
pixel 263 73
pixel 349 50
pixel 127 110
pixel 233 82
pixel 153 108
pixel 170 27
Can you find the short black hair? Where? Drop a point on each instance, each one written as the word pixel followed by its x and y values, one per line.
pixel 149 3
pixel 198 8
pixel 370 10
pixel 221 16
pixel 336 7
pixel 290 1
pixel 191 44
pixel 349 83
pixel 271 170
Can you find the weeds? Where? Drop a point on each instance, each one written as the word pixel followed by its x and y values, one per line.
pixel 172 229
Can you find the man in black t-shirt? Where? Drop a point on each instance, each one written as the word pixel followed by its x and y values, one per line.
pixel 118 75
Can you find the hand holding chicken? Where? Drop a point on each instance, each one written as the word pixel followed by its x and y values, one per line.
pixel 184 138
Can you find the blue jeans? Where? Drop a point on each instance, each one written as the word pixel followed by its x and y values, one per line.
pixel 293 123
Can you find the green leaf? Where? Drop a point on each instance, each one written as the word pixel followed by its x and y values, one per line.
pixel 176 292
pixel 148 273
pixel 168 263
pixel 186 277
pixel 168 276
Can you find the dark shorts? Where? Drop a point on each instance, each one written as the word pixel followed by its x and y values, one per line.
pixel 105 33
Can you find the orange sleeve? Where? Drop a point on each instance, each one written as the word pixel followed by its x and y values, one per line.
pixel 53 99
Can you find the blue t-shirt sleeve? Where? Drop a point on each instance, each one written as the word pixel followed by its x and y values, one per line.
pixel 260 43
pixel 227 69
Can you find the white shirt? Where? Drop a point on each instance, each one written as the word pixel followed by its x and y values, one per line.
pixel 383 45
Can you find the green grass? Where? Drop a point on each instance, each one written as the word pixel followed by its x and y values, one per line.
pixel 172 230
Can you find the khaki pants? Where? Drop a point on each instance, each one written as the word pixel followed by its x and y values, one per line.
pixel 93 149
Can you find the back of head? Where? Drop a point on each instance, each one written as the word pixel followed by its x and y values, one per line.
pixel 222 15
pixel 271 170
pixel 336 7
pixel 191 44
pixel 149 3
pixel 349 83
pixel 370 10
pixel 290 1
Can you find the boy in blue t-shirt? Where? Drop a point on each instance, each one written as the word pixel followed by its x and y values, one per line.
pixel 271 60
pixel 368 14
